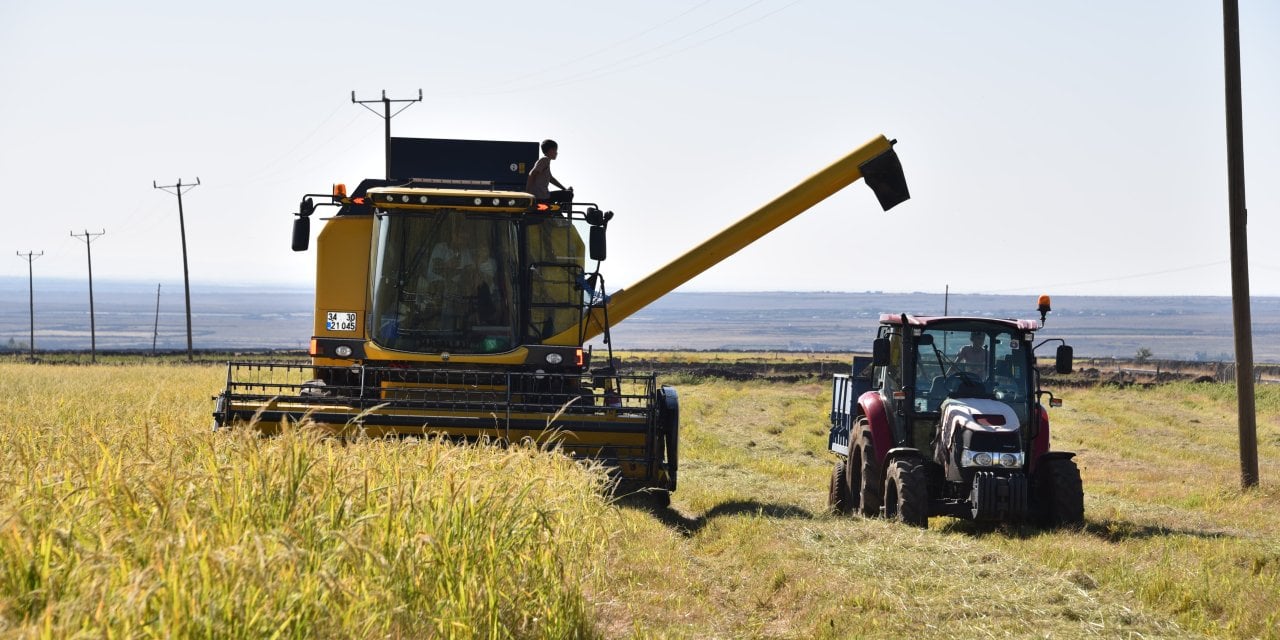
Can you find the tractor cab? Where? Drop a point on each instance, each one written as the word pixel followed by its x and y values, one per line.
pixel 946 360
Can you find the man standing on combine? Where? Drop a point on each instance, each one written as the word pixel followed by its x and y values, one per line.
pixel 540 177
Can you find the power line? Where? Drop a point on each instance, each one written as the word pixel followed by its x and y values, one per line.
pixel 177 189
pixel 88 239
pixel 30 257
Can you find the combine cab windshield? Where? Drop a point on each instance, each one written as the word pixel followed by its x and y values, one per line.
pixel 446 281
pixel 971 361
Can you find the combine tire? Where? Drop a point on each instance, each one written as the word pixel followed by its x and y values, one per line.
pixel 906 493
pixel 1060 493
pixel 838 498
pixel 864 474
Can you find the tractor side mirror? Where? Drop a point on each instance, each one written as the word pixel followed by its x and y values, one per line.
pixel 301 233
pixel 597 243
pixel 1064 357
pixel 880 352
pixel 925 339
pixel 307 207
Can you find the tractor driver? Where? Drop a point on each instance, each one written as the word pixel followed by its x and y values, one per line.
pixel 540 178
pixel 973 357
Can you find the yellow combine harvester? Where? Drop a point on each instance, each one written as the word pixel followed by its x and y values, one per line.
pixel 448 301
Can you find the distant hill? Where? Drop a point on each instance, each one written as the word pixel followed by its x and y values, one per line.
pixel 263 317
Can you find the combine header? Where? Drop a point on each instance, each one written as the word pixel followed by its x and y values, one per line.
pixel 450 302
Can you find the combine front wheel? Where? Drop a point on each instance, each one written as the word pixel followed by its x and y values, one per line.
pixel 906 493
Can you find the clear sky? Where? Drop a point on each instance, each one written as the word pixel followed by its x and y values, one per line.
pixel 1069 148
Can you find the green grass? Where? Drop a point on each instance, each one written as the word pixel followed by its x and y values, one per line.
pixel 121 515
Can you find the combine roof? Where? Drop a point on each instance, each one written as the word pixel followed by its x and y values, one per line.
pixel 925 321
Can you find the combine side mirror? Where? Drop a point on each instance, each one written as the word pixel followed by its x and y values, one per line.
pixel 308 206
pixel 880 352
pixel 596 240
pixel 301 233
pixel 1064 357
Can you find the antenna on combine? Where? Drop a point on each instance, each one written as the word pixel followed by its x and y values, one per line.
pixel 177 189
pixel 386 115
pixel 31 296
pixel 88 239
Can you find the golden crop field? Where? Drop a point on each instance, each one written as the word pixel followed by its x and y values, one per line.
pixel 123 515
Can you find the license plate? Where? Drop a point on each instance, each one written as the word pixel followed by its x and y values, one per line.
pixel 340 321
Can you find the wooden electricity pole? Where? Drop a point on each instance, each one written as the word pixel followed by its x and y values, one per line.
pixel 1239 249
pixel 93 329
pixel 177 189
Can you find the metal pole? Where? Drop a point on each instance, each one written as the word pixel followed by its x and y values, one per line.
pixel 31 256
pixel 93 329
pixel 386 116
pixel 182 227
pixel 386 138
pixel 155 332
pixel 1239 249
pixel 186 279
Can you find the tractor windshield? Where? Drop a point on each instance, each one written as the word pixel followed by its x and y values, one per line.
pixel 446 281
pixel 974 361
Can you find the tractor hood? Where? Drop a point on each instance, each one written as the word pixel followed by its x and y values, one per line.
pixel 972 425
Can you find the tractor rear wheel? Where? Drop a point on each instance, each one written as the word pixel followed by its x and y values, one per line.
pixel 838 498
pixel 906 493
pixel 1060 493
pixel 864 474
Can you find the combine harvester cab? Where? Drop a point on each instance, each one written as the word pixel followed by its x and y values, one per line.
pixel 457 305
pixel 946 418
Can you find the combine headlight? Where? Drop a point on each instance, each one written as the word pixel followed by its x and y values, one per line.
pixel 554 358
pixel 496 202
pixel 422 199
pixel 479 202
pixel 404 198
pixel 511 202
pixel 342 351
pixel 987 459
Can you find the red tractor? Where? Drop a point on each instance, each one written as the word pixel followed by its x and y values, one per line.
pixel 946 418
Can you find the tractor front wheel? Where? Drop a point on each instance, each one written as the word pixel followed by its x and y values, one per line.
pixel 838 498
pixel 906 493
pixel 1060 493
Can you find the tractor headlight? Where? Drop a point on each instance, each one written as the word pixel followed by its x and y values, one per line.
pixel 988 459
pixel 342 350
pixel 554 358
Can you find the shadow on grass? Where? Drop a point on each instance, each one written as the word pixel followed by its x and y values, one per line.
pixel 1106 530
pixel 687 526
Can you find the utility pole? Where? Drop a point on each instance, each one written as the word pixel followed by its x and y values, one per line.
pixel 386 115
pixel 177 189
pixel 155 332
pixel 31 256
pixel 93 330
pixel 1247 414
